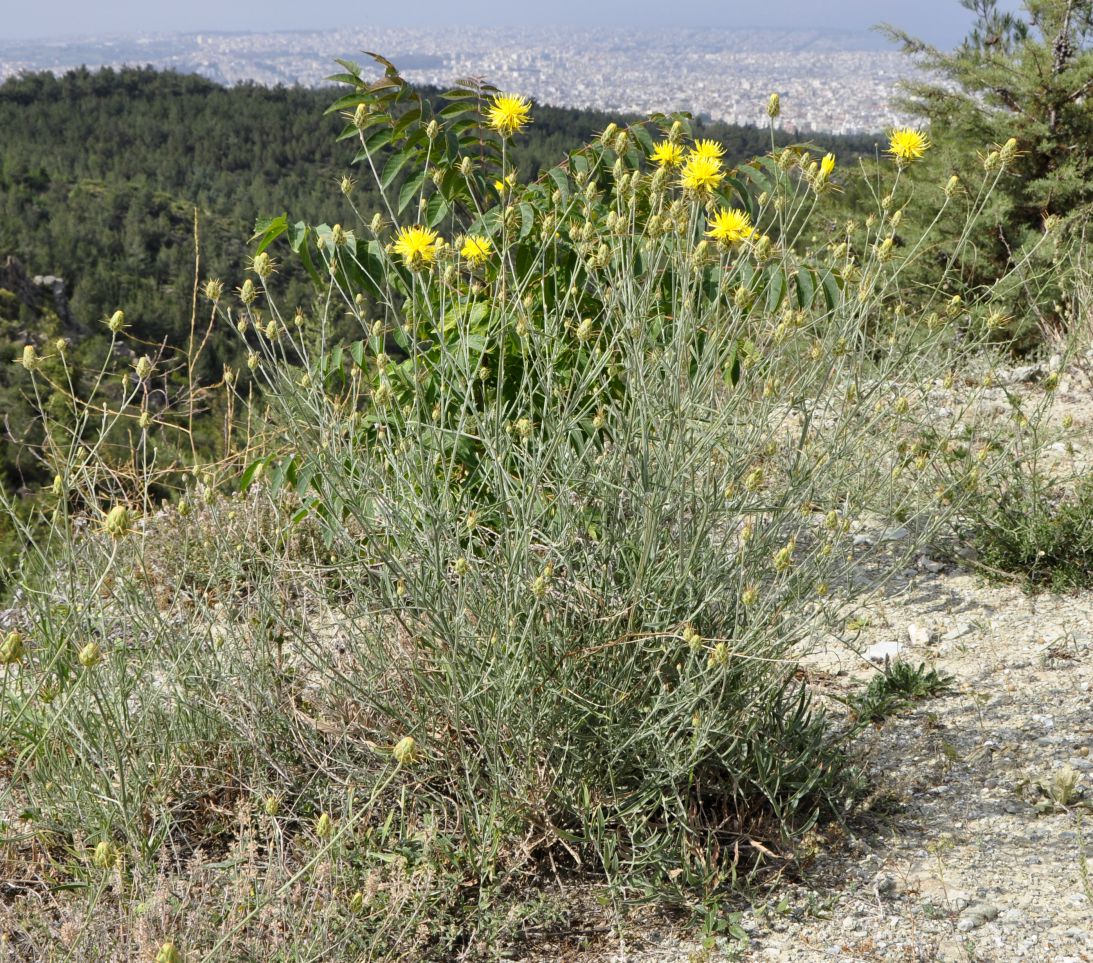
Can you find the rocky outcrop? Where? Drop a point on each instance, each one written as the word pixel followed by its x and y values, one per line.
pixel 38 292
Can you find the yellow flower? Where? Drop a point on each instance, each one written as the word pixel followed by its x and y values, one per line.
pixel 667 154
pixel 476 249
pixel 730 226
pixel 507 184
pixel 416 246
pixel 906 144
pixel 508 114
pixel 709 149
pixel 827 165
pixel 701 174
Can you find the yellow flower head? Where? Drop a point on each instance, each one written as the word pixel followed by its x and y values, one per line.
pixel 667 154
pixel 476 249
pixel 507 184
pixel 701 174
pixel 730 226
pixel 827 165
pixel 708 148
pixel 417 246
pixel 508 114
pixel 906 144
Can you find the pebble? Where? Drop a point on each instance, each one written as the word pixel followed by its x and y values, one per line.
pixel 975 916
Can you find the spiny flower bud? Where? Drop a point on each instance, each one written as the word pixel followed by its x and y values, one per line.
pixel 377 223
pixel 30 357
pixel 692 637
pixel 116 323
pixel 461 566
pixel 360 116
pixel 719 655
pixel 271 806
pixel 432 129
pixel 896 217
pixel 774 106
pixel 105 855
pixel 753 481
pixel 248 293
pixel 262 264
pixel 884 250
pixel 347 184
pixel 523 428
pixel 253 360
pixel 405 751
pixel 338 235
pixel 622 141
pixel 1051 382
pixel 356 903
pixel 168 953
pixel 271 330
pixel 1008 151
pixel 324 826
pixel 749 596
pixel 675 135
pixel 952 186
pixel 992 162
pixel 608 133
pixel 116 522
pixel 144 368
pixel 145 420
pixel 90 655
pixel 11 649
pixel 58 487
pixel 783 558
pixel 584 330
pixel 61 344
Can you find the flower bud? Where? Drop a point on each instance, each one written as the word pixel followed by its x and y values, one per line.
pixel 105 855
pixel 356 903
pixel 608 133
pixel 116 324
pixel 774 106
pixel 338 235
pixel 952 186
pixel 272 805
pixel 168 953
pixel 675 135
pixel 324 826
pixel 247 293
pixel 405 751
pixel 90 655
pixel 145 420
pixel 30 357
pixel 360 116
pixel 61 344
pixel 144 368
pixel 263 265
pixel 432 129
pixel 116 522
pixel 11 649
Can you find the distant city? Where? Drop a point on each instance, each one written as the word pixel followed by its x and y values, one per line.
pixel 832 81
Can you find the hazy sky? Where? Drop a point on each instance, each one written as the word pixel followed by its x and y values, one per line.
pixel 943 22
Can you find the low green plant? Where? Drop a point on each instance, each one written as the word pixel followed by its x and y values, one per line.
pixel 1038 529
pixel 898 685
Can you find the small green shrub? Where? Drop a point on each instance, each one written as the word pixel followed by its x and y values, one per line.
pixel 898 685
pixel 1039 530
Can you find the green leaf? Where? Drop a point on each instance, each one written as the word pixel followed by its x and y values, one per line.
pixel 776 288
pixel 393 167
pixel 410 190
pixel 267 230
pixel 806 288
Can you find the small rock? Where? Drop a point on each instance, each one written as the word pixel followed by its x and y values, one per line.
pixel 958 631
pixel 975 916
pixel 898 534
pixel 883 651
pixel 920 635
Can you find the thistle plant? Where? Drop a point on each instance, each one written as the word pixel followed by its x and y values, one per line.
pixel 528 563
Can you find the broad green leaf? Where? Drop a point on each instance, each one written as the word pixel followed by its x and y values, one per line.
pixel 267 230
